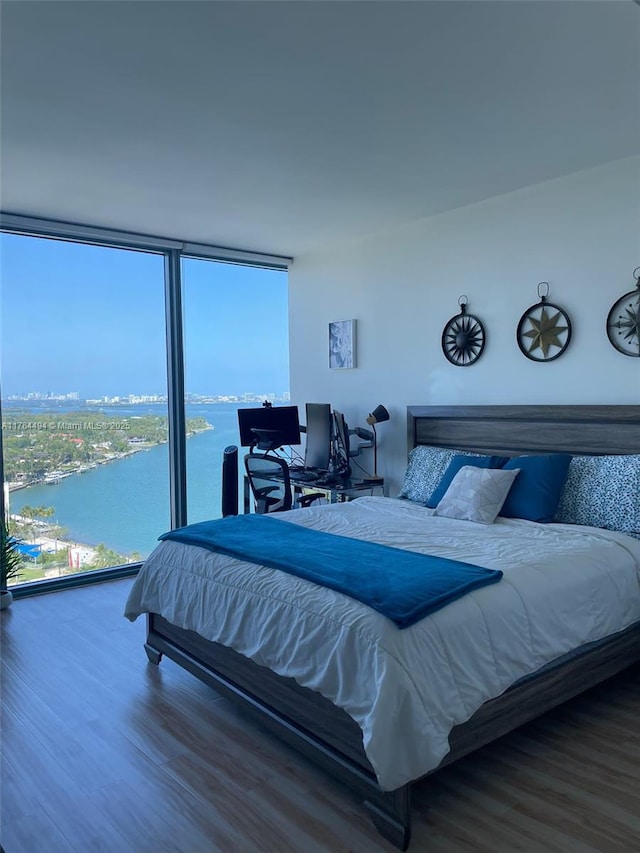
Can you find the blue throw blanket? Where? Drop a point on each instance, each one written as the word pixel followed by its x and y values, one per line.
pixel 402 585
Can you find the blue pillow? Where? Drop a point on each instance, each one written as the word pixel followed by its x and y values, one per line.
pixel 455 465
pixel 536 492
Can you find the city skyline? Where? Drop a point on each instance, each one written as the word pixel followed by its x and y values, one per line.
pixel 73 396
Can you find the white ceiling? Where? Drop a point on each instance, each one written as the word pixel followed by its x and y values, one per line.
pixel 282 126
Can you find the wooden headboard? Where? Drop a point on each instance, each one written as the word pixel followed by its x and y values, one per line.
pixel 509 430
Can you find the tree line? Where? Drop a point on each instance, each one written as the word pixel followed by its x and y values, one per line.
pixel 37 445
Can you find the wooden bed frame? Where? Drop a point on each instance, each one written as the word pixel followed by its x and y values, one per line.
pixel 320 729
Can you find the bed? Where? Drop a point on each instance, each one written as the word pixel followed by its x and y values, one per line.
pixel 482 690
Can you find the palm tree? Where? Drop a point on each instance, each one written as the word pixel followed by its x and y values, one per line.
pixel 57 532
pixel 105 558
pixel 10 557
pixel 44 512
pixel 30 513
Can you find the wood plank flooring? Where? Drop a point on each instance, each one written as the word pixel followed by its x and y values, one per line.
pixel 102 751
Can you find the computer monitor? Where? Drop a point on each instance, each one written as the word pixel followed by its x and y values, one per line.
pixel 280 424
pixel 318 450
pixel 341 438
pixel 341 434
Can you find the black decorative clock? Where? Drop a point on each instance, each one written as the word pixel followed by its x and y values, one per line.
pixel 623 322
pixel 544 330
pixel 463 337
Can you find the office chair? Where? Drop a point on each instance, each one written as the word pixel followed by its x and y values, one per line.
pixel 270 483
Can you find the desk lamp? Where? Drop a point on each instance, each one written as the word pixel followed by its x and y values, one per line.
pixel 377 416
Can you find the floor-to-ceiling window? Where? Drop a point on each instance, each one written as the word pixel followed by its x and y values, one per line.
pixel 104 446
pixel 236 345
pixel 84 411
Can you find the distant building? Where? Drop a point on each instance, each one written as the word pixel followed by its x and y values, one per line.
pixel 80 555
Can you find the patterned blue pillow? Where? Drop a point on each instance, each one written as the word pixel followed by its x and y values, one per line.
pixel 426 466
pixel 602 491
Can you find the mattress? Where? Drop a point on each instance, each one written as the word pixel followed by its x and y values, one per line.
pixel 563 586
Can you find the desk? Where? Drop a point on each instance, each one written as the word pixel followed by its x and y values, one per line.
pixel 347 490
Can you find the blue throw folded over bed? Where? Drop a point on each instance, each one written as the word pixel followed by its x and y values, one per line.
pixel 402 585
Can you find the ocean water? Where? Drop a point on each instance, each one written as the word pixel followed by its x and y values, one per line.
pixel 125 504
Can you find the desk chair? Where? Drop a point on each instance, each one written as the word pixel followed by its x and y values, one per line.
pixel 270 483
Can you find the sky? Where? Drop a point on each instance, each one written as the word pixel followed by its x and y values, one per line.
pixel 90 319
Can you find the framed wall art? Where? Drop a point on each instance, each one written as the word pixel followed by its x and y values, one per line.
pixel 342 344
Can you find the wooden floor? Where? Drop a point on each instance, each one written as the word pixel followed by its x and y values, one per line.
pixel 102 751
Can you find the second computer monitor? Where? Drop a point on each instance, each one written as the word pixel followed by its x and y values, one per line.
pixel 342 440
pixel 318 450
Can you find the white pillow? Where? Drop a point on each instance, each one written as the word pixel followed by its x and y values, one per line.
pixel 477 494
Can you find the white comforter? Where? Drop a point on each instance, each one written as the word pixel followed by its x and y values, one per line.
pixel 563 586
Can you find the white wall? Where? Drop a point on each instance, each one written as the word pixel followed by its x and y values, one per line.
pixel 581 233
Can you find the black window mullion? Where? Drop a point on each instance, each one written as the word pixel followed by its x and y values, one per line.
pixel 175 393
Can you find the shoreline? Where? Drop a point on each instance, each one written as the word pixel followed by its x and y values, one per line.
pixel 112 542
pixel 42 536
pixel 84 553
pixel 50 479
pixel 53 478
pixel 80 555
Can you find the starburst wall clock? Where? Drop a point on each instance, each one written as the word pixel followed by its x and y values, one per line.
pixel 544 330
pixel 463 337
pixel 623 322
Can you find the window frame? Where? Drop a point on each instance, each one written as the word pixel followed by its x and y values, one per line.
pixel 173 251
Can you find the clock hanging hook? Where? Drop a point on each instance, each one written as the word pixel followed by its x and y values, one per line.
pixel 543 286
